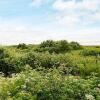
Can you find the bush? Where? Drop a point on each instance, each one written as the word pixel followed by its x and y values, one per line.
pixel 46 60
pixel 35 85
pixel 9 64
pixel 63 46
pixel 88 52
pixel 3 53
pixel 49 46
pixel 5 66
pixel 75 46
pixel 58 46
pixel 48 43
pixel 22 46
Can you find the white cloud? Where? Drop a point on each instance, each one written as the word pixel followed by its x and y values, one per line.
pixel 59 24
pixel 76 13
pixel 74 4
pixel 68 20
pixel 11 25
pixel 38 3
pixel 63 5
pixel 14 32
pixel 73 12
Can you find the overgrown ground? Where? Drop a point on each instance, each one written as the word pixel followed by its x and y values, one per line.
pixel 60 71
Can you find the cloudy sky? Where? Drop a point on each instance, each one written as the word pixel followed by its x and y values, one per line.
pixel 32 21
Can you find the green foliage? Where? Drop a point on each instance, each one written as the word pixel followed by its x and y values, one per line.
pixel 53 73
pixel 48 43
pixel 9 64
pixel 58 46
pixel 5 66
pixel 63 46
pixel 75 45
pixel 22 46
pixel 47 60
pixel 3 53
pixel 50 85
pixel 88 52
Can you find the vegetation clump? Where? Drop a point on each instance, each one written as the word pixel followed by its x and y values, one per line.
pixel 91 52
pixel 53 70
pixel 22 46
pixel 58 46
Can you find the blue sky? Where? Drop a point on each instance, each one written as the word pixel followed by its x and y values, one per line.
pixel 33 21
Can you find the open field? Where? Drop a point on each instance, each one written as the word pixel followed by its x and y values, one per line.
pixel 53 70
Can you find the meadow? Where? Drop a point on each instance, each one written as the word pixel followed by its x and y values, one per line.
pixel 52 70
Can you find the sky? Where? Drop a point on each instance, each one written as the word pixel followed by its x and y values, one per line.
pixel 34 21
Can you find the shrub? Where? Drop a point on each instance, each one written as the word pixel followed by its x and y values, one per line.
pixel 46 60
pixel 75 46
pixel 3 53
pixel 48 43
pixel 10 64
pixel 88 52
pixel 49 46
pixel 22 46
pixel 61 46
pixel 35 85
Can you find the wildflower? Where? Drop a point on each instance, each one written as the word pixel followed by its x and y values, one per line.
pixel 23 86
pixel 75 80
pixel 89 97
pixel 98 85
pixel 27 80
pixel 8 93
pixel 98 89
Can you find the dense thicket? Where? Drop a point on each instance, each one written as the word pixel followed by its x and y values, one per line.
pixel 90 52
pixel 9 64
pixel 49 85
pixel 58 46
pixel 73 64
pixel 22 46
pixel 53 70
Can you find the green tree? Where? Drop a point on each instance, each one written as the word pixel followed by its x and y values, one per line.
pixel 9 64
pixel 75 45
pixel 48 43
pixel 63 46
pixel 22 46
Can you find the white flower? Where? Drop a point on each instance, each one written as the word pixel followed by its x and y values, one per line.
pixel 8 93
pixel 89 97
pixel 23 86
pixel 98 85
